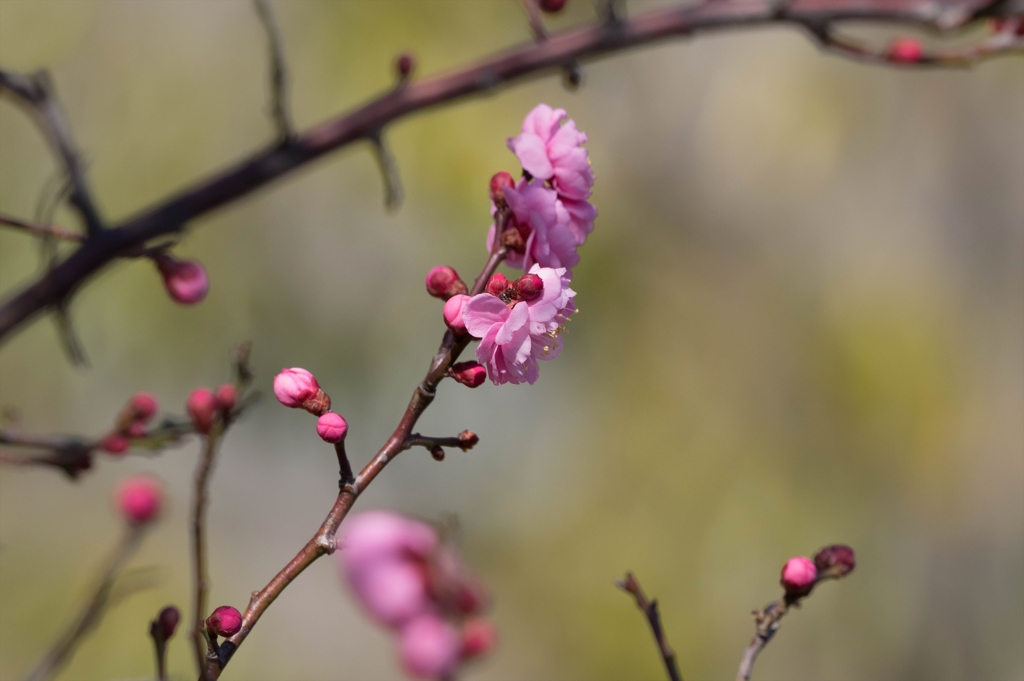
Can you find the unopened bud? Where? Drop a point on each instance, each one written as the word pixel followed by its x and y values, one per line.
pixel 798 576
pixel 143 406
pixel 185 280
pixel 499 182
pixel 443 282
pixel 404 65
pixel 905 50
pixel 331 427
pixel 298 389
pixel 115 443
pixel 552 6
pixel 168 620
pixel 139 499
pixel 469 374
pixel 497 284
pixel 453 314
pixel 837 560
pixel 513 239
pixel 225 621
pixel 479 637
pixel 137 429
pixel 202 408
pixel 437 451
pixel 226 396
pixel 468 440
pixel 528 287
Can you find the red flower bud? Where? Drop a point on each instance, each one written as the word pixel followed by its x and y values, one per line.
pixel 139 499
pixel 469 374
pixel 168 620
pixel 905 50
pixel 467 440
pixel 478 637
pixel 185 280
pixel 453 314
pixel 143 406
pixel 137 429
pixel 528 287
pixel 798 576
pixel 499 182
pixel 331 427
pixel 837 560
pixel 225 621
pixel 115 443
pixel 226 396
pixel 202 408
pixel 552 6
pixel 404 65
pixel 443 282
pixel 497 284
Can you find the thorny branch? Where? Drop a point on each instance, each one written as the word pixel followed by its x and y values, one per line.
pixel 650 611
pixel 585 42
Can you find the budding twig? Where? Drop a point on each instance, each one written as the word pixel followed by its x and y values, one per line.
pixel 37 229
pixel 650 610
pixel 278 71
pixel 465 441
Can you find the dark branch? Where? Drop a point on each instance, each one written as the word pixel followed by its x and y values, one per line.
pixel 465 441
pixel 393 193
pixel 650 611
pixel 278 72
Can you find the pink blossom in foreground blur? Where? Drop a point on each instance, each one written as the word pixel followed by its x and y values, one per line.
pixel 478 637
pixel 139 499
pixel 453 314
pixel 226 396
pixel 185 280
pixel 167 621
pixel 137 429
pixel 513 340
pixel 837 560
pixel 331 427
pixel 224 621
pixel 143 406
pixel 430 647
pixel 202 408
pixel 115 443
pixel 905 50
pixel 549 150
pixel 798 576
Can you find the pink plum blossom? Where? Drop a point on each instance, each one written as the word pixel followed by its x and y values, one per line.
pixel 143 406
pixel 545 224
pixel 226 396
pixel 798 576
pixel 292 387
pixel 513 339
pixel 453 314
pixel 551 151
pixel 331 427
pixel 430 647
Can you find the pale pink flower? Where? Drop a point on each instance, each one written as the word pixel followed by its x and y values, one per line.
pixel 798 576
pixel 581 218
pixel 512 340
pixel 551 151
pixel 430 647
pixel 545 224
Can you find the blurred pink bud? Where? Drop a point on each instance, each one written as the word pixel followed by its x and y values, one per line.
pixel 139 499
pixel 497 284
pixel 479 637
pixel 905 50
pixel 404 65
pixel 202 408
pixel 837 560
pixel 137 429
pixel 469 374
pixel 331 427
pixel 798 576
pixel 115 443
pixel 226 396
pixel 551 6
pixel 443 282
pixel 528 287
pixel 225 621
pixel 430 648
pixel 168 621
pixel 185 280
pixel 143 406
pixel 499 182
pixel 453 314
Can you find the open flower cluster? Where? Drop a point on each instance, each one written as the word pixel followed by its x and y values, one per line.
pixel 410 581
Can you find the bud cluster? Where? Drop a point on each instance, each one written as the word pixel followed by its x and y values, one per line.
pixel 204 406
pixel 297 388
pixel 130 423
pixel 526 288
pixel 800 575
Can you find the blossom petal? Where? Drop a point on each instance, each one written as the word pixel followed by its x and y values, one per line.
pixel 483 311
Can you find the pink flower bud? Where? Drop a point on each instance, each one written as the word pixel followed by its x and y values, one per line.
pixel 115 443
pixel 185 280
pixel 226 396
pixel 837 560
pixel 479 637
pixel 225 621
pixel 331 427
pixel 137 429
pixel 168 620
pixel 143 406
pixel 139 499
pixel 202 408
pixel 404 65
pixel 497 284
pixel 798 576
pixel 453 314
pixel 470 374
pixel 443 282
pixel 296 388
pixel 528 287
pixel 552 6
pixel 499 183
pixel 905 50
pixel 430 648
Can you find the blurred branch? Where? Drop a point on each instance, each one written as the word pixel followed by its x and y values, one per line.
pixel 393 193
pixel 39 230
pixel 588 41
pixel 278 72
pixel 200 575
pixel 94 608
pixel 650 610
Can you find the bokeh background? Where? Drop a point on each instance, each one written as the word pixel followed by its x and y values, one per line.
pixel 802 322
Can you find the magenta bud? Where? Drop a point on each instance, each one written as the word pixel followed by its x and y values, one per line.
pixel 443 282
pixel 143 406
pixel 202 408
pixel 906 51
pixel 404 65
pixel 185 280
pixel 798 576
pixel 469 374
pixel 500 181
pixel 479 637
pixel 137 429
pixel 296 388
pixel 168 620
pixel 139 499
pixel 528 287
pixel 552 6
pixel 226 396
pixel 331 427
pixel 837 560
pixel 453 314
pixel 225 621
pixel 115 443
pixel 497 284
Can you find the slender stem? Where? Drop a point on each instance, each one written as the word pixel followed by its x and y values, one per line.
pixel 93 610
pixel 200 578
pixel 768 621
pixel 278 72
pixel 38 229
pixel 650 611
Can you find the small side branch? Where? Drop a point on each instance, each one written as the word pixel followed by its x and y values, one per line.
pixel 278 73
pixel 767 622
pixel 393 193
pixel 650 610
pixel 465 441
pixel 37 229
pixel 200 577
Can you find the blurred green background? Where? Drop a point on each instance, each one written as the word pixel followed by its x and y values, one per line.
pixel 802 322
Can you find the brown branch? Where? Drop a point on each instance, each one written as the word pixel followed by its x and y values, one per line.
pixel 650 610
pixel 465 441
pixel 767 622
pixel 585 42
pixel 93 609
pixel 393 193
pixel 278 72
pixel 200 576
pixel 40 230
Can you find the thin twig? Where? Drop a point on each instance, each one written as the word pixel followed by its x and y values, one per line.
pixel 278 71
pixel 200 577
pixel 393 193
pixel 465 441
pixel 767 621
pixel 93 610
pixel 40 230
pixel 650 611
pixel 584 42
